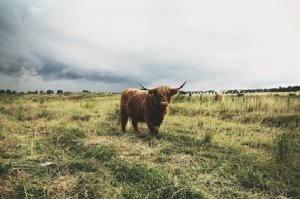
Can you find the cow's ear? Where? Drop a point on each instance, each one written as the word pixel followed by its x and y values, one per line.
pixel 173 91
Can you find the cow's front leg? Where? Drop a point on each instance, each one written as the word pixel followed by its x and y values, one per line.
pixel 124 120
pixel 153 128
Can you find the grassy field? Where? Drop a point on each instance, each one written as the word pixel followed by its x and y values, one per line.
pixel 70 146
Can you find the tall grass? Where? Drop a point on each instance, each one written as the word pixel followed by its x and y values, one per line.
pixel 285 145
pixel 71 146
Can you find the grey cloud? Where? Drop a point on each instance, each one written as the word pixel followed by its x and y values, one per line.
pixel 16 59
pixel 127 43
pixel 12 70
pixel 50 69
pixel 13 15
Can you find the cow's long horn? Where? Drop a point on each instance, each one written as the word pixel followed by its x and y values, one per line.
pixel 181 85
pixel 144 88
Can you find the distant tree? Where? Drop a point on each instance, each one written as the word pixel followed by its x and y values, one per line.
pixel 295 88
pixel 14 92
pixel 2 91
pixel 50 92
pixel 59 92
pixel 36 92
pixel 8 91
pixel 41 92
pixel 85 91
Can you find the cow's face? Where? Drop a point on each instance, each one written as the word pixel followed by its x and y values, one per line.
pixel 162 94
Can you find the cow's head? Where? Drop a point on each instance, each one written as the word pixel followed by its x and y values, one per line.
pixel 162 94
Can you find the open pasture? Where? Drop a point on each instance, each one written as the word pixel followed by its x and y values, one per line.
pixel 71 146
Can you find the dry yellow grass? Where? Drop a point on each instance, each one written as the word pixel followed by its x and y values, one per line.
pixel 70 146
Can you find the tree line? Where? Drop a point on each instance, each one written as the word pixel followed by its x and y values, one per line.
pixel 9 91
pixel 234 91
pixel 237 91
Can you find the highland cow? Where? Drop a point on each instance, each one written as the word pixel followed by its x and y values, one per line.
pixel 218 97
pixel 146 105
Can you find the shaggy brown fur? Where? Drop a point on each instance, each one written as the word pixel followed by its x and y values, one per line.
pixel 218 97
pixel 148 106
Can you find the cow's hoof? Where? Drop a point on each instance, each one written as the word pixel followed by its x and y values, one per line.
pixel 158 136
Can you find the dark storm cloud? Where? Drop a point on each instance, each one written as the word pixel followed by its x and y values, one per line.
pixel 14 69
pixel 49 69
pixel 52 70
pixel 15 61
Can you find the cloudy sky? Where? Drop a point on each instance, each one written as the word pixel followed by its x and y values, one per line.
pixel 108 45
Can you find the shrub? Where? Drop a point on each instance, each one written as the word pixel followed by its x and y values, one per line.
pixel 290 121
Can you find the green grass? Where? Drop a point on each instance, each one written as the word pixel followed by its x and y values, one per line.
pixel 71 146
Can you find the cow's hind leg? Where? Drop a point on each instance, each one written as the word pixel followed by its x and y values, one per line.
pixel 135 125
pixel 124 120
